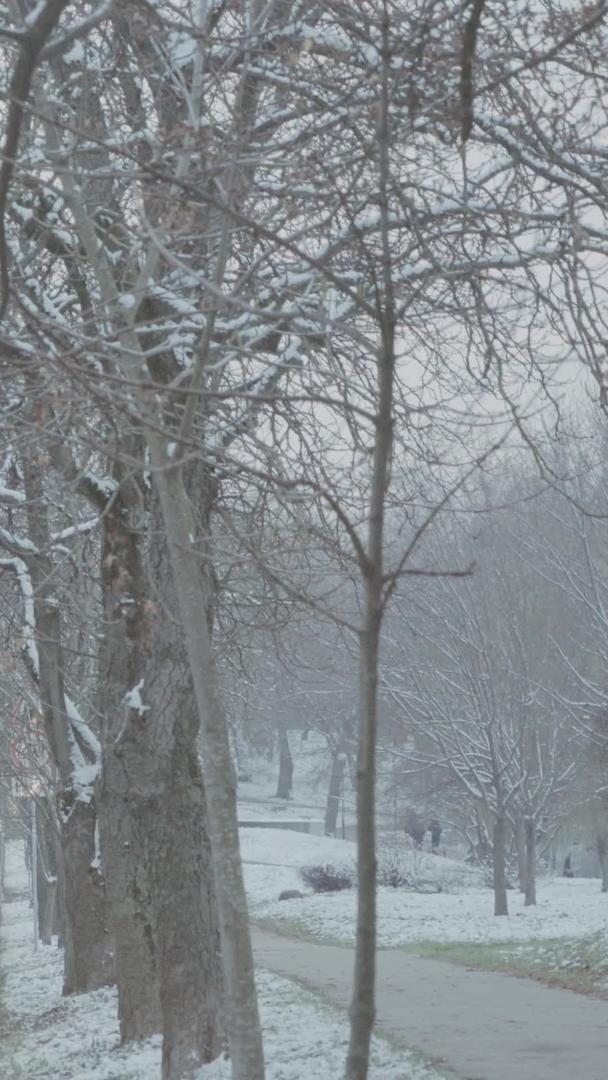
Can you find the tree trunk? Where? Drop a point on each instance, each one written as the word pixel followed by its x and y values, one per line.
pixel 47 871
pixel 59 923
pixel 371 562
pixel 185 913
pixel 124 812
pixel 285 781
pixel 520 840
pixel 499 866
pixel 362 1009
pixel 530 834
pixel 88 947
pixel 184 903
pixel 154 837
pixel 2 857
pixel 334 792
pixel 602 851
pixel 124 826
pixel 194 602
pixel 86 956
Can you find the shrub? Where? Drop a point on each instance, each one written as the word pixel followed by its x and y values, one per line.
pixel 328 878
pixel 402 866
pixel 392 873
pixel 396 863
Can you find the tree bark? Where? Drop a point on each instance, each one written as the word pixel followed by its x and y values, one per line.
pixel 530 835
pixel 87 959
pixel 602 852
pixel 183 888
pixel 154 837
pixel 194 597
pixel 284 785
pixel 124 813
pixel 2 853
pixel 87 941
pixel 520 841
pixel 124 824
pixel 334 791
pixel 362 1009
pixel 499 866
pixel 47 871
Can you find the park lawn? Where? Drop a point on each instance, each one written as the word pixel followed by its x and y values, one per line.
pixel 575 963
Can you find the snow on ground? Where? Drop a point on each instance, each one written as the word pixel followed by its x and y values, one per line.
pixel 566 907
pixel 44 1035
pixel 257 796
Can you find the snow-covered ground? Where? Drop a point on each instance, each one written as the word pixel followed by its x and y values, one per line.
pixel 45 1035
pixel 460 912
pixel 257 796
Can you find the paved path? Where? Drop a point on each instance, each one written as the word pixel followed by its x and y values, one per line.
pixel 481 1025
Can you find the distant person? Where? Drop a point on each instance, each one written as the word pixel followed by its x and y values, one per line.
pixel 435 830
pixel 415 828
pixel 568 871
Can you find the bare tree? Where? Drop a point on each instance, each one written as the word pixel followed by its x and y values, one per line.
pixel 34 556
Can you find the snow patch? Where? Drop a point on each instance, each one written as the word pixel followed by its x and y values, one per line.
pixel 75 55
pixel 134 700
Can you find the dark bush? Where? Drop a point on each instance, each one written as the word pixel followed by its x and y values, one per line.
pixel 328 878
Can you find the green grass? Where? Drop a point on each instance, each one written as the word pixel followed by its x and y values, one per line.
pixel 579 964
pixel 296 928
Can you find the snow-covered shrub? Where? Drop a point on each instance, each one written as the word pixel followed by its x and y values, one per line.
pixel 328 878
pixel 393 876
pixel 399 862
pixel 401 865
pixel 392 869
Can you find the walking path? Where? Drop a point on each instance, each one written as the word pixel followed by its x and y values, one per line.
pixel 482 1025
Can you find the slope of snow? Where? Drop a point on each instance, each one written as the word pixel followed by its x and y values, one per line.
pixel 272 859
pixel 460 912
pixel 565 908
pixel 287 848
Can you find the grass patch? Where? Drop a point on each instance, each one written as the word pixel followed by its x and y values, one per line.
pixel 298 928
pixel 579 964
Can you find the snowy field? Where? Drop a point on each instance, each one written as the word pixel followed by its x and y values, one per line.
pixel 45 1035
pixel 460 912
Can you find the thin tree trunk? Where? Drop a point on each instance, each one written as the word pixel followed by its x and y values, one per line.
pixel 59 916
pixel 530 834
pixel 2 855
pixel 602 851
pixel 334 791
pixel 285 781
pixel 47 872
pixel 362 1009
pixel 194 602
pixel 520 841
pixel 499 866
